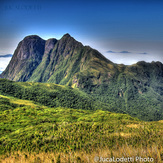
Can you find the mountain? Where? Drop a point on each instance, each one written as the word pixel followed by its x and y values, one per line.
pixel 53 60
pixel 136 89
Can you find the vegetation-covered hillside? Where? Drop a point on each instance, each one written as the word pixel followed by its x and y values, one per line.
pixel 51 95
pixel 32 132
pixel 54 95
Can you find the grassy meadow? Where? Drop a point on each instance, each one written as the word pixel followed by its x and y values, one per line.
pixel 32 132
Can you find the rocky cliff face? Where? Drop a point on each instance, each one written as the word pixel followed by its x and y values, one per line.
pixel 26 58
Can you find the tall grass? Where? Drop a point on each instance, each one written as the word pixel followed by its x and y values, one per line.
pixel 153 154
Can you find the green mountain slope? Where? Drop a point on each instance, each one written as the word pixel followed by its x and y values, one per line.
pixel 136 89
pixel 54 95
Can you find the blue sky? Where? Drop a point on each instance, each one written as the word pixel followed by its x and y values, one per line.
pixel 122 30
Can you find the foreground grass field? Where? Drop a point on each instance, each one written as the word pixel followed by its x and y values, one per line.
pixel 151 154
pixel 35 133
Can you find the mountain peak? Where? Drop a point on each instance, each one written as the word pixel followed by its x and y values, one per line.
pixel 32 37
pixel 67 35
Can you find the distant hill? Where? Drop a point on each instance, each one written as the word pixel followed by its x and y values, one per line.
pixel 136 89
pixel 6 55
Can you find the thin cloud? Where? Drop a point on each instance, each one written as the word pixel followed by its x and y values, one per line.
pixel 6 55
pixel 110 51
pixel 124 52
pixel 143 53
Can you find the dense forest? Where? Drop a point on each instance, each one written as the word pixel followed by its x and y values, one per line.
pixel 53 95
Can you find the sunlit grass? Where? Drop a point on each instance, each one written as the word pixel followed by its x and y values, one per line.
pixel 153 153
pixel 37 133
